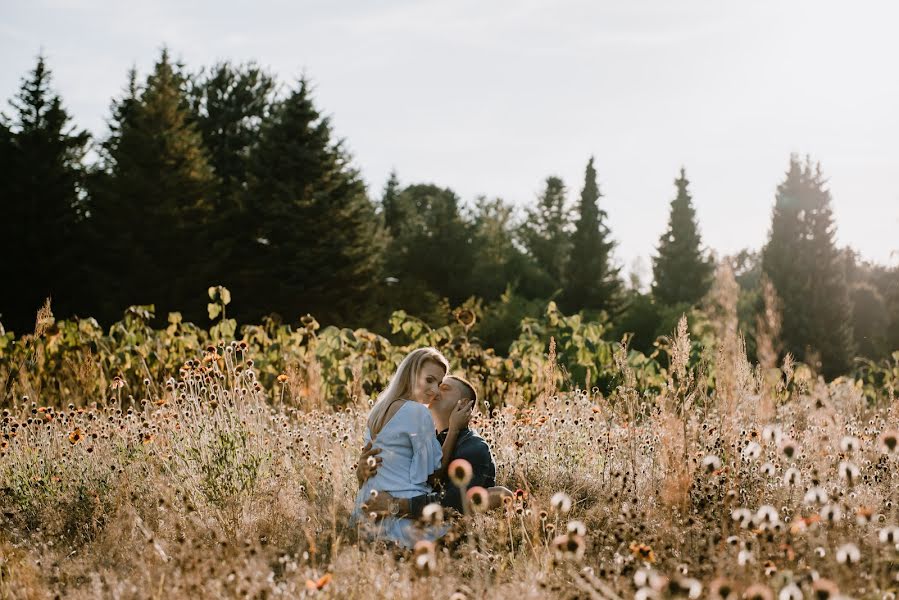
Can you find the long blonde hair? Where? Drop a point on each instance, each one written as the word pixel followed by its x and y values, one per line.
pixel 402 384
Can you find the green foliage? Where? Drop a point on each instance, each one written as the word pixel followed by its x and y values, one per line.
pixel 808 273
pixel 592 281
pixel 682 273
pixel 546 232
pixel 41 203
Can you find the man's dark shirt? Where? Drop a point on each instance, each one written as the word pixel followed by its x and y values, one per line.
pixel 471 447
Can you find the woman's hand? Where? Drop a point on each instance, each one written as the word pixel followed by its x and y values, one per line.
pixel 461 415
pixel 368 464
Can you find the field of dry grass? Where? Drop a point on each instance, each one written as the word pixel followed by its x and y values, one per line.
pixel 764 487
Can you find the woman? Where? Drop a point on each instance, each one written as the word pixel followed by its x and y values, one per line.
pixel 400 424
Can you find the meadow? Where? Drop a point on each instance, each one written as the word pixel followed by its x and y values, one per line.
pixel 190 462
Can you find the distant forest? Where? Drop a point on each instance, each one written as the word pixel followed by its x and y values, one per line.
pixel 222 176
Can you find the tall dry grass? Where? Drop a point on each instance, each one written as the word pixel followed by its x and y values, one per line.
pixel 210 487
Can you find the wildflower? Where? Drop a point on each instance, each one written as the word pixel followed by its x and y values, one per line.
pixel 815 495
pixel 824 589
pixel 758 591
pixel 478 499
pixel 76 436
pixel 117 383
pixel 820 552
pixel 831 513
pixel 848 471
pixel 711 463
pixel 569 545
pixel 577 528
pixel 790 592
pixel 642 552
pixel 863 515
pixel 888 535
pixel 147 438
pixel 282 378
pixel 742 515
pixel 789 449
pixel 744 557
pixel 772 434
pixel 889 442
pixel 849 444
pixel 319 583
pixel 768 469
pixel 770 568
pixel 560 502
pixel 686 586
pixel 722 589
pixel 432 513
pixel 767 516
pixel 792 476
pixel 460 472
pixel 848 554
pixel 752 451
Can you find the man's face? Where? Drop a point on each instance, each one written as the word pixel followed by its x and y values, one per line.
pixel 447 398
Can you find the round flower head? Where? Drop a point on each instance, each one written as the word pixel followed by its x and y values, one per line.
pixel 771 434
pixel 889 442
pixel 849 472
pixel 569 546
pixel 560 502
pixel 824 589
pixel 789 449
pixel 889 535
pixel 711 463
pixel 790 592
pixel 752 451
pixel 577 528
pixel 815 495
pixel 848 554
pixel 831 513
pixel 849 444
pixel 460 472
pixel 769 469
pixel 432 513
pixel 792 476
pixel 722 589
pixel 478 499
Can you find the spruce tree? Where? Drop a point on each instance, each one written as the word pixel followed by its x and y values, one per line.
pixel 153 203
pixel 807 271
pixel 592 282
pixel 391 211
pixel 682 274
pixel 40 204
pixel 318 245
pixel 546 232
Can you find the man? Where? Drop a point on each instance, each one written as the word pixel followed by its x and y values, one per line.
pixel 469 446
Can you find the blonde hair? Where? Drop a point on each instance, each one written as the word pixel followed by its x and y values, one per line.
pixel 402 384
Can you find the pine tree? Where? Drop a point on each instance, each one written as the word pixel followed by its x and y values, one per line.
pixel 153 203
pixel 391 211
pixel 807 271
pixel 592 281
pixel 318 245
pixel 40 203
pixel 682 273
pixel 546 232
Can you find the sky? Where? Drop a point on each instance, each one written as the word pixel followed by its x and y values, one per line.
pixel 489 97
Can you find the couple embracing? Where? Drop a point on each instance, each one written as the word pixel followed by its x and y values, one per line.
pixel 417 427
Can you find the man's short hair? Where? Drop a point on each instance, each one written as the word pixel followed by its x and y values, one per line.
pixel 468 390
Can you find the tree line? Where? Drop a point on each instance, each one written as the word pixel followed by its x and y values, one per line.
pixel 223 176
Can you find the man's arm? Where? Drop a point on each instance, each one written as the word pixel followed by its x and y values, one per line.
pixel 405 507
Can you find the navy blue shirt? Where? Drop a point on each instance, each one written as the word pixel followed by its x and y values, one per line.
pixel 473 448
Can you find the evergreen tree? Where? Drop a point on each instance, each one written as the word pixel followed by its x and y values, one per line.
pixel 318 245
pixel 433 245
pixel 592 281
pixel 390 209
pixel 546 232
pixel 40 203
pixel 807 271
pixel 153 203
pixel 682 273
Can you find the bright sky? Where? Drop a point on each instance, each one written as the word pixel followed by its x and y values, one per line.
pixel 490 97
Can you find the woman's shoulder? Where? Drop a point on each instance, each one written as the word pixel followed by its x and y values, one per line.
pixel 415 410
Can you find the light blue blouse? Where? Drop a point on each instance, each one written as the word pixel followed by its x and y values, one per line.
pixel 411 454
